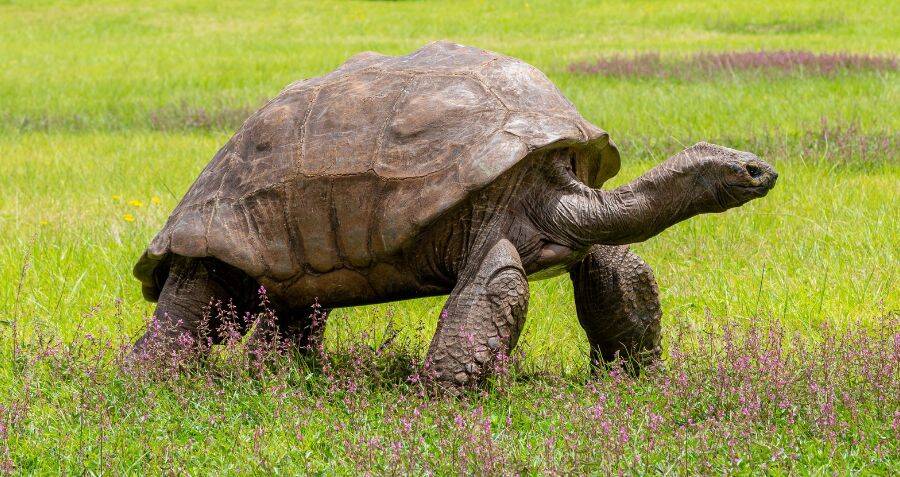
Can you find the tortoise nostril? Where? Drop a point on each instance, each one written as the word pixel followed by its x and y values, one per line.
pixel 754 170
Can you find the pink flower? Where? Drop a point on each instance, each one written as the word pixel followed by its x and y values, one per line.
pixel 623 435
pixel 458 420
pixel 655 421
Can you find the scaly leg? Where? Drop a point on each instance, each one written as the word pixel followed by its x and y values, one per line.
pixel 482 318
pixel 617 301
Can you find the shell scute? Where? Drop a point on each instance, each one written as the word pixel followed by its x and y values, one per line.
pixel 342 130
pixel 522 87
pixel 309 205
pixel 436 121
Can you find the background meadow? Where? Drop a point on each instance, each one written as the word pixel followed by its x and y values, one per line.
pixel 109 110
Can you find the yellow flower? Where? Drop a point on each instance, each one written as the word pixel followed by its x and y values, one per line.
pixel 44 222
pixel 128 218
pixel 155 200
pixel 135 203
pixel 116 197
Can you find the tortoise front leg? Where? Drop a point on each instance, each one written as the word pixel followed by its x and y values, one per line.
pixel 617 301
pixel 482 318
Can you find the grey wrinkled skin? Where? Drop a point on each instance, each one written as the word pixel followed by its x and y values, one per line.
pixel 452 170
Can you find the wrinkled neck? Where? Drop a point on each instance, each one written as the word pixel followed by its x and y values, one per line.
pixel 636 211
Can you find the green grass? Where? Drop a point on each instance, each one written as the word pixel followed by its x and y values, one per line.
pixel 99 106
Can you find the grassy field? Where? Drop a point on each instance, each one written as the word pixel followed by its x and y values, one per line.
pixel 109 110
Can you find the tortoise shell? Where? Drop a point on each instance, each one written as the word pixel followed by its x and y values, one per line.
pixel 345 169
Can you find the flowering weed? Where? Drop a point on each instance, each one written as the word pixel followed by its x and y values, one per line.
pixel 727 399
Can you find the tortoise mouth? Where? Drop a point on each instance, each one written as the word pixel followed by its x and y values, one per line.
pixel 755 190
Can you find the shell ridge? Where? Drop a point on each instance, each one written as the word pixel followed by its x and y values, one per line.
pixel 375 222
pixel 303 129
pixel 303 124
pixel 253 227
pixel 335 229
pixel 293 239
pixel 477 77
pixel 215 211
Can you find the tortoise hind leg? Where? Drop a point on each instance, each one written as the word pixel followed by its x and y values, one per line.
pixel 482 318
pixel 617 301
pixel 180 320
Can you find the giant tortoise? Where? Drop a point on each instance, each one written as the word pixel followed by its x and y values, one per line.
pixel 451 170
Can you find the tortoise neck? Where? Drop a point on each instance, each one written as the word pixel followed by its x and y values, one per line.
pixel 664 196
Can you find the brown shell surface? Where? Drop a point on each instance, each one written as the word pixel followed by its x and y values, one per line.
pixel 342 170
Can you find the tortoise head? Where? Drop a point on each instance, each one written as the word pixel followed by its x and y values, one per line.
pixel 729 177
